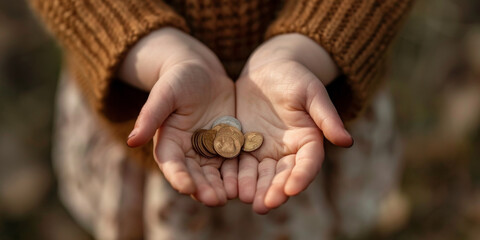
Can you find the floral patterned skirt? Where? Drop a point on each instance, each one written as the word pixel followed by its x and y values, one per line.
pixel 114 198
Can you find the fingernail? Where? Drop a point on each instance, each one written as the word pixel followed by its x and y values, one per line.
pixel 194 198
pixel 133 133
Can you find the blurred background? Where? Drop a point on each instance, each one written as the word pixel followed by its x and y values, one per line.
pixel 435 78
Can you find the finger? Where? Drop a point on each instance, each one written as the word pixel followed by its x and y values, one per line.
pixel 171 161
pixel 157 108
pixel 325 116
pixel 307 164
pixel 213 177
pixel 230 174
pixel 205 193
pixel 247 177
pixel 266 171
pixel 276 195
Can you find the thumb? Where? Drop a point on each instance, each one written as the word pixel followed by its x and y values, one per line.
pixel 325 116
pixel 159 105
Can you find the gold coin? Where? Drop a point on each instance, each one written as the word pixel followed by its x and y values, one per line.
pixel 225 146
pixel 253 141
pixel 208 138
pixel 228 142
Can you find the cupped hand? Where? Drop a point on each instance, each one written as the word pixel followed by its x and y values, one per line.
pixel 189 89
pixel 280 95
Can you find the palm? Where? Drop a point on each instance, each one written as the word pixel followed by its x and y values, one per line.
pixel 285 130
pixel 276 102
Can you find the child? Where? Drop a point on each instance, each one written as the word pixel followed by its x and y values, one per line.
pixel 121 51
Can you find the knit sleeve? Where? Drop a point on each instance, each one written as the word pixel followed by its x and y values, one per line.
pixel 95 35
pixel 356 33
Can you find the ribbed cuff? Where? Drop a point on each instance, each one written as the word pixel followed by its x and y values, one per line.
pixel 356 33
pixel 96 34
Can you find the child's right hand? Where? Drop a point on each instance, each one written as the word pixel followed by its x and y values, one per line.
pixel 189 89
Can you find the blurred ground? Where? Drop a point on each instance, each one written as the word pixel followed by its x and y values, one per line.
pixel 434 74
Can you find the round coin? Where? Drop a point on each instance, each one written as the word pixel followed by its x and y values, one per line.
pixel 228 142
pixel 253 141
pixel 225 146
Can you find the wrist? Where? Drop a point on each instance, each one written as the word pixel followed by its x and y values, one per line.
pixel 298 48
pixel 158 52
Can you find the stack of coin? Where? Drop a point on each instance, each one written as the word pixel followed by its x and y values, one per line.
pixel 225 139
pixel 202 142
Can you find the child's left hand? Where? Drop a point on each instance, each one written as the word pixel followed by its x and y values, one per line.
pixel 281 94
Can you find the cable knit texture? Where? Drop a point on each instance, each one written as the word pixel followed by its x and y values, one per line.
pixel 97 34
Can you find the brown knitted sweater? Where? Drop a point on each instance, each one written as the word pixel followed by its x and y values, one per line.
pixel 97 34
